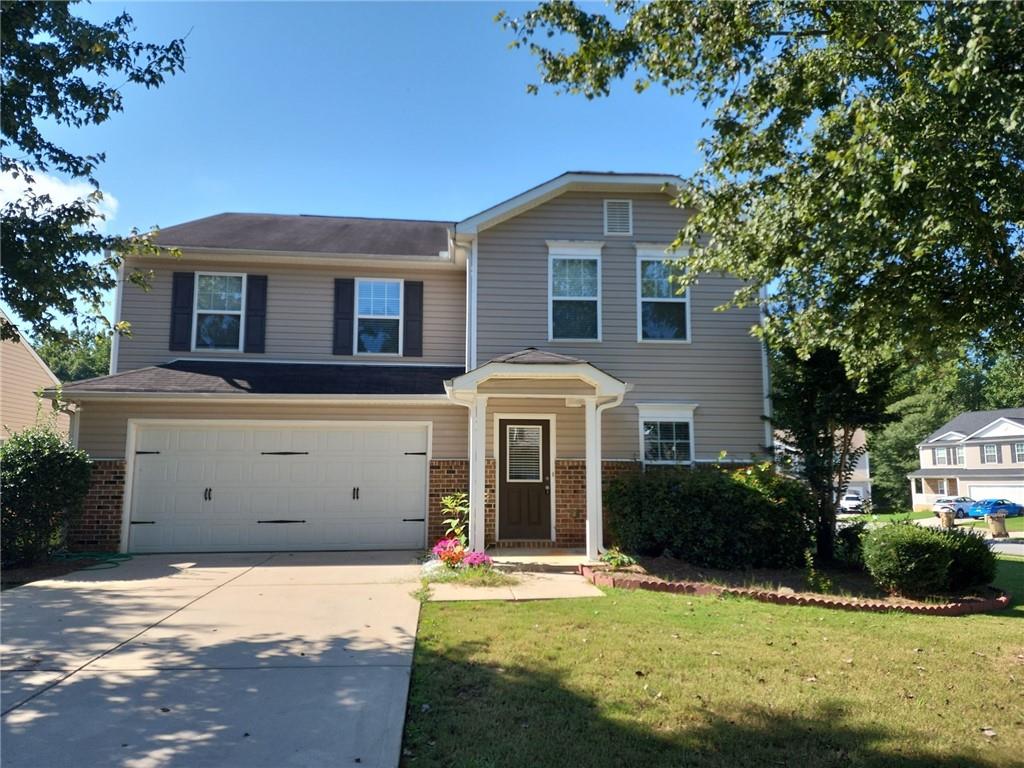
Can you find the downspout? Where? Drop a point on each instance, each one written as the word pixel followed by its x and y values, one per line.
pixel 115 341
pixel 613 403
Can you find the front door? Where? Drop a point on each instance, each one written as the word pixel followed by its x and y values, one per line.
pixel 524 479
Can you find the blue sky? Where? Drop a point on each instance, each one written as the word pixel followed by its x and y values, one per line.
pixel 378 109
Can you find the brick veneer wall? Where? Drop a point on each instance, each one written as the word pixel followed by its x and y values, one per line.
pixel 98 529
pixel 447 476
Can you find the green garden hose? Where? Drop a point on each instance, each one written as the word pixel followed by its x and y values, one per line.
pixel 105 560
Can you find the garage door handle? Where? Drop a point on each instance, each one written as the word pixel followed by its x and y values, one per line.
pixel 284 453
pixel 415 453
pixel 143 522
pixel 278 522
pixel 413 519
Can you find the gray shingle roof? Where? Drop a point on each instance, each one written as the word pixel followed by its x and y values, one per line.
pixel 534 356
pixel 970 422
pixel 969 474
pixel 248 378
pixel 310 234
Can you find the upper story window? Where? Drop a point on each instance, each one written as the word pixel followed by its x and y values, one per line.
pixel 574 292
pixel 618 217
pixel 958 455
pixel 666 433
pixel 378 326
pixel 940 457
pixel 663 313
pixel 219 308
pixel 1018 452
pixel 990 454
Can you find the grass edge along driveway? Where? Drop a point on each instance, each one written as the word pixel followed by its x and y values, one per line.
pixel 642 678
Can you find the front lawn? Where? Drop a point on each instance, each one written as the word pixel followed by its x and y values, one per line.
pixel 649 679
pixel 892 517
pixel 1013 524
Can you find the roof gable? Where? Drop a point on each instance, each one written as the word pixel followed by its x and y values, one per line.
pixel 972 422
pixel 1001 427
pixel 572 180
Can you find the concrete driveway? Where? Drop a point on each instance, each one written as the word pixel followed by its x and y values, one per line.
pixel 286 659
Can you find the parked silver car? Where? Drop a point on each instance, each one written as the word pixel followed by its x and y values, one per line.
pixel 959 505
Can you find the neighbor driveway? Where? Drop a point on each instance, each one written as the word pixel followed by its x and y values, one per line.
pixel 211 660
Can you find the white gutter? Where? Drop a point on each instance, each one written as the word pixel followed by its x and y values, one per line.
pixel 115 341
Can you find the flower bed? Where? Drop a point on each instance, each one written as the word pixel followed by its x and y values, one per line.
pixel 451 561
pixel 604 577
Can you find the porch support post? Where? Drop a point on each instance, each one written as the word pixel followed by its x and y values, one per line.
pixel 592 436
pixel 477 473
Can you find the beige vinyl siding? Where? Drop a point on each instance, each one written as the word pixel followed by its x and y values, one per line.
pixel 720 369
pixel 21 376
pixel 300 312
pixel 104 425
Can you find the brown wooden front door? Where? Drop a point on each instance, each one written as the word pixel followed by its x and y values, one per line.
pixel 524 479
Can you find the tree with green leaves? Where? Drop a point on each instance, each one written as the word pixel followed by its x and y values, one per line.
pixel 83 354
pixel 864 160
pixel 818 406
pixel 59 68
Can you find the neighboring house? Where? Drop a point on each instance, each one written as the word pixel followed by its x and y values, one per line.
pixel 978 454
pixel 23 375
pixel 788 459
pixel 313 382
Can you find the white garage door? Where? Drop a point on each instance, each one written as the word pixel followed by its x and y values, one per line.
pixel 246 486
pixel 1013 492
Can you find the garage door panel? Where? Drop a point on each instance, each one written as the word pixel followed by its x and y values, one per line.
pixel 1011 491
pixel 251 481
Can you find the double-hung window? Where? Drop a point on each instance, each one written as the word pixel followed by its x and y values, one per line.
pixel 219 309
pixel 666 433
pixel 663 310
pixel 574 291
pixel 958 457
pixel 940 457
pixel 1018 453
pixel 378 325
pixel 989 454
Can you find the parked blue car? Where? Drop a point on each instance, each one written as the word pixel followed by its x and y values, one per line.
pixel 991 506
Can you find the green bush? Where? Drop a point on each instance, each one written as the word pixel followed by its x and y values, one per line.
pixel 44 481
pixel 708 518
pixel 910 560
pixel 973 565
pixel 906 559
pixel 850 544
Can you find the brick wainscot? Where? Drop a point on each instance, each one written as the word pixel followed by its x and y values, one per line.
pixel 98 528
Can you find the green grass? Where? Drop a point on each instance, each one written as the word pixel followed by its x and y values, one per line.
pixel 473 577
pixel 890 517
pixel 649 679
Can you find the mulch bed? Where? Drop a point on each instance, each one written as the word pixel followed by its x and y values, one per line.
pixel 47 569
pixel 785 587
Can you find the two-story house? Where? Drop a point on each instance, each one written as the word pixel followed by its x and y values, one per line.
pixel 311 382
pixel 979 454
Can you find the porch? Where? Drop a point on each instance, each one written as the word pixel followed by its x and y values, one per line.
pixel 535 469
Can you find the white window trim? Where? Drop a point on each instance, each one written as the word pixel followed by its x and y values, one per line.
pixel 667 412
pixel 1018 453
pixel 984 453
pixel 936 453
pixel 618 234
pixel 540 456
pixel 400 317
pixel 959 456
pixel 579 250
pixel 657 253
pixel 941 482
pixel 241 313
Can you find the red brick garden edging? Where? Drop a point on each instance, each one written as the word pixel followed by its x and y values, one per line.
pixel 604 578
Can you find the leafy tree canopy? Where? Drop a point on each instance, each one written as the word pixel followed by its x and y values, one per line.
pixel 864 164
pixel 85 353
pixel 61 69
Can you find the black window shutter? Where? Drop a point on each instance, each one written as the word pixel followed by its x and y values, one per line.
pixel 182 290
pixel 255 313
pixel 412 335
pixel 344 314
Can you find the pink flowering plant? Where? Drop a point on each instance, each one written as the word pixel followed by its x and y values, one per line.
pixel 476 559
pixel 450 552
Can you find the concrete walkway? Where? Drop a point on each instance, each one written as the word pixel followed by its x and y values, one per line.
pixel 211 660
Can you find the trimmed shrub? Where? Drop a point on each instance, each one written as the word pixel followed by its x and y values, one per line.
pixel 850 544
pixel 974 564
pixel 44 481
pixel 906 559
pixel 706 517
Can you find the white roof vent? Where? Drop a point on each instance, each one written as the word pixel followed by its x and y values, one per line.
pixel 618 217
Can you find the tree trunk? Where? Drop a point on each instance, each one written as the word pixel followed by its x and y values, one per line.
pixel 825 535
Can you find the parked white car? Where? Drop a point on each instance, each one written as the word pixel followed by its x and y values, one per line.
pixel 851 502
pixel 959 505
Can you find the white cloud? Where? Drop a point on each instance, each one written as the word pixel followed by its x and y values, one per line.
pixel 60 192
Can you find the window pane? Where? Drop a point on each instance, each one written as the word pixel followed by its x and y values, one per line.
pixel 378 336
pixel 380 298
pixel 574 277
pixel 217 331
pixel 667 441
pixel 663 320
pixel 654 280
pixel 574 319
pixel 219 292
pixel 524 454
